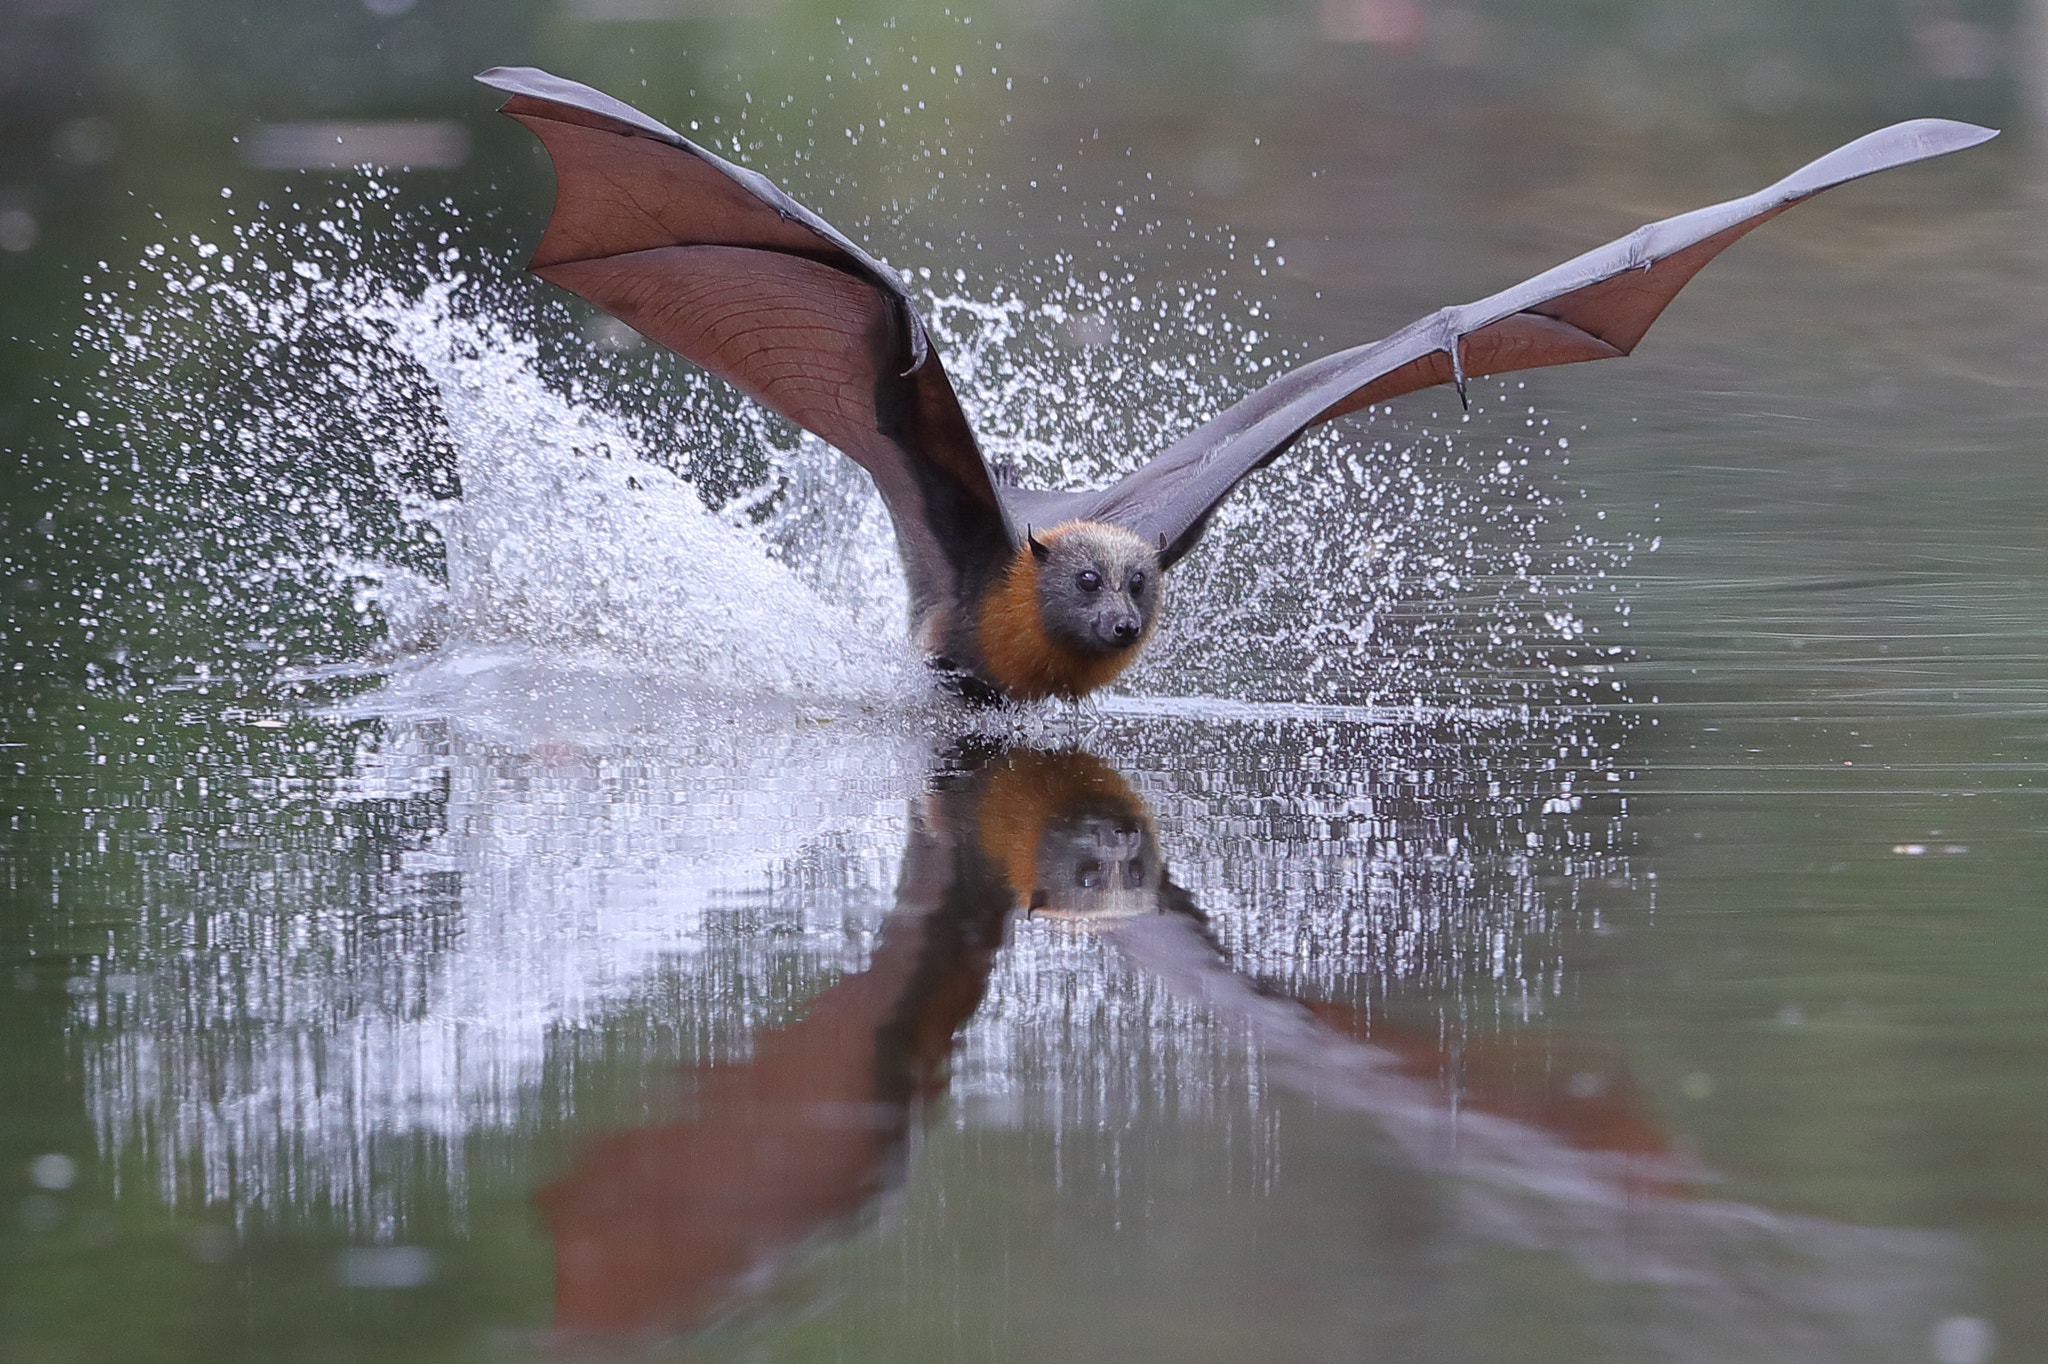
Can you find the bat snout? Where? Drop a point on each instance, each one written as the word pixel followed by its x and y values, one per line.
pixel 1118 630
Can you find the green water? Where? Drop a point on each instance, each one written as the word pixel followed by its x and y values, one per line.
pixel 1698 1017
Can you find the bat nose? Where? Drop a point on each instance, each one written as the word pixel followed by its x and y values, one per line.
pixel 1125 631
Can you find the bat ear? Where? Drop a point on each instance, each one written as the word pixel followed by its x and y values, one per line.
pixel 1162 542
pixel 1038 548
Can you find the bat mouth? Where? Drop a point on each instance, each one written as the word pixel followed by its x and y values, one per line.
pixel 1103 635
pixel 1107 641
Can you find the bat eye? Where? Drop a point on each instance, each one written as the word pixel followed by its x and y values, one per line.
pixel 1090 580
pixel 1137 583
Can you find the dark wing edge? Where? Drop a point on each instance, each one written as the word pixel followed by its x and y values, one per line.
pixel 1596 306
pixel 717 263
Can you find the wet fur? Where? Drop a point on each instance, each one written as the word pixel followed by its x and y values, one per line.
pixel 1028 629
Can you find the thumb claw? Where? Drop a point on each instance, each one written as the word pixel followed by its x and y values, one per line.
pixel 1451 336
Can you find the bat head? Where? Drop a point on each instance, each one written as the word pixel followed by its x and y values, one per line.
pixel 1098 587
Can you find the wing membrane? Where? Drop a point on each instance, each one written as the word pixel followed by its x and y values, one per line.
pixel 718 264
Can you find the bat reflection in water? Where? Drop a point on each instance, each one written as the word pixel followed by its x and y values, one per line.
pixel 1030 592
pixel 663 1228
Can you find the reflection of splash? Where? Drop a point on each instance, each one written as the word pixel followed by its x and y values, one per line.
pixel 369 1023
pixel 526 849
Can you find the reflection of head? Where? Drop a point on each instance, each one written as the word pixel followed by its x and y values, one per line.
pixel 1073 840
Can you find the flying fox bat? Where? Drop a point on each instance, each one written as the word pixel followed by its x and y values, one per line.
pixel 1029 592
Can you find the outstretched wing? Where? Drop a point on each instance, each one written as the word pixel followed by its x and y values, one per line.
pixel 716 263
pixel 1595 307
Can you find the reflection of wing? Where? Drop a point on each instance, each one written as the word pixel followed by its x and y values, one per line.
pixel 717 264
pixel 1575 1089
pixel 1593 308
pixel 658 1227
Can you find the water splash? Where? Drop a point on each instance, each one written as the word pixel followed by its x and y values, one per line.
pixel 1386 560
pixel 532 892
pixel 385 473
pixel 337 460
pixel 566 539
pixel 586 579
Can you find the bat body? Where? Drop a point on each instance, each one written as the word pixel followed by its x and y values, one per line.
pixel 1020 592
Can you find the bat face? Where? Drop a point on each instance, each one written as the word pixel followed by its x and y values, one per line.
pixel 1098 587
pixel 1071 613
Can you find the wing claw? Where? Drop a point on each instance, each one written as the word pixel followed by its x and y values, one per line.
pixel 1453 341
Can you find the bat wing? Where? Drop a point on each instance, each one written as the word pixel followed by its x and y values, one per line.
pixel 715 262
pixel 1595 307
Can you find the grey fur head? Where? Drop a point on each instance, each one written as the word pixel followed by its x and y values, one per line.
pixel 1098 586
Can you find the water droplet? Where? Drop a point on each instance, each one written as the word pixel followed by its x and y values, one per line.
pixel 55 1172
pixel 1963 1340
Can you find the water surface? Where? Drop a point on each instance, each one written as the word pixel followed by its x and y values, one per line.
pixel 1567 886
